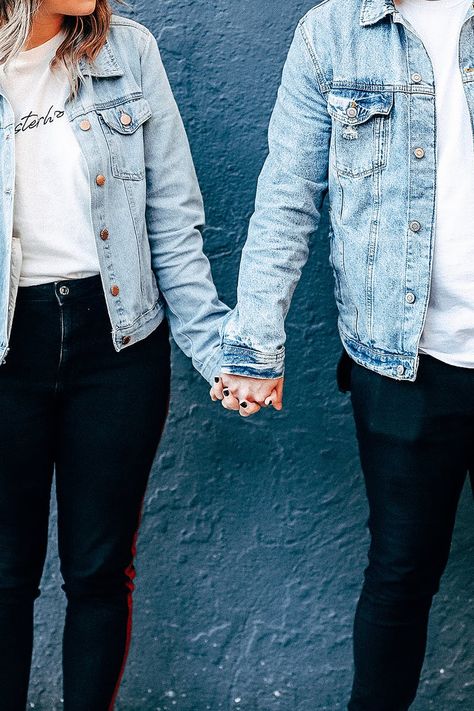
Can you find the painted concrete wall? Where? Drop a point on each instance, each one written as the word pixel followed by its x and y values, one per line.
pixel 253 538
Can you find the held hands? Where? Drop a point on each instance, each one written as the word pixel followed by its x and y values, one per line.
pixel 247 395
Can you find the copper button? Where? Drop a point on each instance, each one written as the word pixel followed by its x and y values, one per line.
pixel 104 234
pixel 126 340
pixel 100 180
pixel 85 124
pixel 125 119
pixel 114 290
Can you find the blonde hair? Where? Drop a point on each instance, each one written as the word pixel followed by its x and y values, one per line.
pixel 85 35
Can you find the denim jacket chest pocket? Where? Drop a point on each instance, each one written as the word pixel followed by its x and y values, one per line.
pixel 361 130
pixel 122 126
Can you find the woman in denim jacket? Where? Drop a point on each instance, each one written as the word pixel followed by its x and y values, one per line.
pixel 100 249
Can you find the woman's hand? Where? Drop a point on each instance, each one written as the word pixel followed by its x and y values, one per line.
pixel 247 395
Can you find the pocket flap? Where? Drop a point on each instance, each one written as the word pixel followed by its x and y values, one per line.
pixel 127 116
pixel 354 107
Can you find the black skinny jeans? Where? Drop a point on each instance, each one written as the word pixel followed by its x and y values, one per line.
pixel 69 401
pixel 416 443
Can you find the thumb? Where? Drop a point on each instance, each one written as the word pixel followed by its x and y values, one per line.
pixel 274 399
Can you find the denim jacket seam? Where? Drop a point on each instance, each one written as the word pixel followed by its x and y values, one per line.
pixel 263 358
pixel 315 65
pixel 148 34
pixel 323 86
pixel 207 368
pixel 142 316
pixel 198 363
pixel 156 115
pixel 313 10
pixel 382 353
pixel 143 31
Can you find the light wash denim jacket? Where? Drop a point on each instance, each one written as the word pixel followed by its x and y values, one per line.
pixel 145 215
pixel 354 118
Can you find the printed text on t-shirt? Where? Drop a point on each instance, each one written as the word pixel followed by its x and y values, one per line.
pixel 33 120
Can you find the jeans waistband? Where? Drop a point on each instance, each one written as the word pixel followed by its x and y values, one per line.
pixel 63 290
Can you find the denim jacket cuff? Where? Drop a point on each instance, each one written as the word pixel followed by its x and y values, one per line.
pixel 212 367
pixel 241 360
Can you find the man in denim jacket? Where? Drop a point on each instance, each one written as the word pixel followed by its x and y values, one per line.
pixel 375 109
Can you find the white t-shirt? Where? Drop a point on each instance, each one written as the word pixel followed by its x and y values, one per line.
pixel 52 213
pixel 449 329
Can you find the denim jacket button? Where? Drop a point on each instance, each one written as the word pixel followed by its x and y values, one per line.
pixel 126 340
pixel 125 119
pixel 400 369
pixel 85 125
pixel 415 226
pixel 104 234
pixel 419 152
pixel 351 112
pixel 100 179
pixel 410 298
pixel 114 290
pixel 416 77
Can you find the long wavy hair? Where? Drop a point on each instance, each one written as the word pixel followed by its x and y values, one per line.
pixel 85 35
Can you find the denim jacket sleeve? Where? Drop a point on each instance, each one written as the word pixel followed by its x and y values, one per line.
pixel 290 192
pixel 174 217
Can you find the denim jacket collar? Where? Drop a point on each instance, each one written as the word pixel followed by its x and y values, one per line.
pixel 374 10
pixel 105 64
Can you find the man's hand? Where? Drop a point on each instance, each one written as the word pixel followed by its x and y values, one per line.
pixel 247 395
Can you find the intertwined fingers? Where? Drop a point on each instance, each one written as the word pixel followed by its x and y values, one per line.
pixel 247 395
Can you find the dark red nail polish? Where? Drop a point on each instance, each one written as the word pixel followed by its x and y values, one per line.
pixel 226 393
pixel 243 404
pixel 216 379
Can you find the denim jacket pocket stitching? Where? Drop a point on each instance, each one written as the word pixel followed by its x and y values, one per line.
pixel 124 140
pixel 361 124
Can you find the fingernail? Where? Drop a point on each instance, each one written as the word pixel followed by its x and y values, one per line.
pixel 216 379
pixel 226 393
pixel 270 402
pixel 243 404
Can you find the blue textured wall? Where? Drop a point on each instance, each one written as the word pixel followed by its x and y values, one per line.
pixel 253 538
